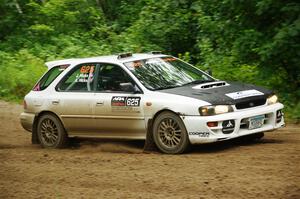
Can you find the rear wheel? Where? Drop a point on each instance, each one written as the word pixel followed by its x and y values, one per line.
pixel 51 132
pixel 169 133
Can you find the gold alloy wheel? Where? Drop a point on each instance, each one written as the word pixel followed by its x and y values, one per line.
pixel 169 133
pixel 49 132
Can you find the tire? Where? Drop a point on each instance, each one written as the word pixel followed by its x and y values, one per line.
pixel 51 132
pixel 169 133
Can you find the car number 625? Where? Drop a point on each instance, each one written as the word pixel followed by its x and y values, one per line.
pixel 133 102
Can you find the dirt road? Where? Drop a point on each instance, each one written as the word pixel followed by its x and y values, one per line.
pixel 269 168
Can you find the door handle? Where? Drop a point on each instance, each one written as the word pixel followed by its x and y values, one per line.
pixel 55 102
pixel 99 103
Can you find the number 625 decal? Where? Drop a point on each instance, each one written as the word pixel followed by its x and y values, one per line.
pixel 125 101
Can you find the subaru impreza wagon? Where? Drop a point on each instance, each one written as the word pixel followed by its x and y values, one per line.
pixel 143 96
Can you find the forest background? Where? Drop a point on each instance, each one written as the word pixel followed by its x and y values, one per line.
pixel 253 41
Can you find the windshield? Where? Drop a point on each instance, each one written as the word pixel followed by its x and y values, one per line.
pixel 166 72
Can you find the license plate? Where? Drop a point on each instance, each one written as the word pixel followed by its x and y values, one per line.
pixel 256 122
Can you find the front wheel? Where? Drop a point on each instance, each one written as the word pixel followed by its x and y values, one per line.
pixel 169 133
pixel 51 132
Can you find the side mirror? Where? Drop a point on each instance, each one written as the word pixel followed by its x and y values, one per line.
pixel 209 71
pixel 128 87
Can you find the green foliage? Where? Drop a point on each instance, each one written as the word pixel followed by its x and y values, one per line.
pixel 251 41
pixel 163 26
pixel 260 33
pixel 18 73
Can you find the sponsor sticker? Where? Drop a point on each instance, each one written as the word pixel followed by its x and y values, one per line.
pixel 169 59
pixel 125 101
pixel 84 77
pixel 200 134
pixel 243 94
pixel 137 64
pixel 134 65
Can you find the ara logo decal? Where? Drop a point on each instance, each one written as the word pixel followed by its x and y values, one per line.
pixel 125 101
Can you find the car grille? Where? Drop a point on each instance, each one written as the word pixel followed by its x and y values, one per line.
pixel 250 103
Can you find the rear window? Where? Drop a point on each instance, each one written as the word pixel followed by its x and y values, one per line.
pixel 49 77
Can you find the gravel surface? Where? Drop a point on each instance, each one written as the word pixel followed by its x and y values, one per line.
pixel 108 169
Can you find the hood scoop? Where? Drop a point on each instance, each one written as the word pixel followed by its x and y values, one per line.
pixel 211 85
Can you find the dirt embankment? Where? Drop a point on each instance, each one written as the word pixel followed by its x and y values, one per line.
pixel 265 169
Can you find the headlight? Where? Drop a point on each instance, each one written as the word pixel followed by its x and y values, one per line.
pixel 272 100
pixel 214 110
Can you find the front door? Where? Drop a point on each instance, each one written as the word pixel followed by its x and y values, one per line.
pixel 118 114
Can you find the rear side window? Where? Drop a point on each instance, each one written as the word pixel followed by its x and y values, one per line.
pixel 49 77
pixel 81 79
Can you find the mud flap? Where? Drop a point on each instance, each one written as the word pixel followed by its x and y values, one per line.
pixel 149 145
pixel 34 137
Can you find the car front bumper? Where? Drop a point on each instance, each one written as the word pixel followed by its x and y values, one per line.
pixel 27 120
pixel 199 132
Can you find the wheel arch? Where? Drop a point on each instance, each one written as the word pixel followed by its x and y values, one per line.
pixel 161 111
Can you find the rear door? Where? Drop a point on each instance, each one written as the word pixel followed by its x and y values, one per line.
pixel 74 100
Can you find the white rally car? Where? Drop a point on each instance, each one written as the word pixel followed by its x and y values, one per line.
pixel 144 96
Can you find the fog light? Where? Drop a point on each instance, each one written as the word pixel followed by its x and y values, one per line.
pixel 279 115
pixel 228 126
pixel 212 124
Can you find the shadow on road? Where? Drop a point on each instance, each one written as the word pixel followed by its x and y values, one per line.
pixel 108 145
pixel 136 146
pixel 230 144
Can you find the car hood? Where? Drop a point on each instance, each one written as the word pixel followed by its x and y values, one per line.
pixel 218 92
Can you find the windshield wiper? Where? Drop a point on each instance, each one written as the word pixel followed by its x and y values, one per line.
pixel 198 81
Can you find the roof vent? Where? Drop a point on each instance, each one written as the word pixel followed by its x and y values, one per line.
pixel 214 85
pixel 124 55
pixel 155 52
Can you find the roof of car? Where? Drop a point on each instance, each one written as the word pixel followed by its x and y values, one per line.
pixel 108 59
